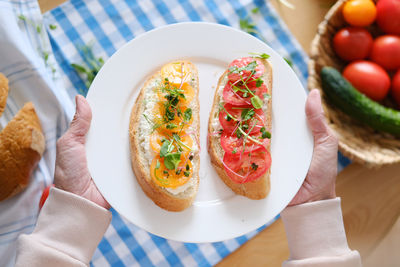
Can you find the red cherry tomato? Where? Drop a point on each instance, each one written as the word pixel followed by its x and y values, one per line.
pixel 386 51
pixel 230 125
pixel 239 98
pixel 396 88
pixel 369 78
pixel 44 196
pixel 388 16
pixel 352 43
pixel 239 70
pixel 234 145
pixel 247 167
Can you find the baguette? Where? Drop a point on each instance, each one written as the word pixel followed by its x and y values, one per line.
pixel 21 146
pixel 260 187
pixel 3 92
pixel 142 124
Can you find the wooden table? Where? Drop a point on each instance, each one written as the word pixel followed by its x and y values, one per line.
pixel 370 198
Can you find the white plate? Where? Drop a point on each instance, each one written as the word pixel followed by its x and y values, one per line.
pixel 217 213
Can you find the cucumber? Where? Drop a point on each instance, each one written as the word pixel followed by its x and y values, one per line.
pixel 355 104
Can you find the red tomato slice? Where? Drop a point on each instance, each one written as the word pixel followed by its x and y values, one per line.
pixel 44 196
pixel 247 167
pixel 233 145
pixel 238 73
pixel 237 98
pixel 230 125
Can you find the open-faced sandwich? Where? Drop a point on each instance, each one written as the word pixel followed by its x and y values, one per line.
pixel 164 133
pixel 240 125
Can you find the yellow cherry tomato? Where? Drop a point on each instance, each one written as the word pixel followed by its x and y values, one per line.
pixel 359 13
pixel 176 73
pixel 185 143
pixel 170 178
pixel 177 124
pixel 186 89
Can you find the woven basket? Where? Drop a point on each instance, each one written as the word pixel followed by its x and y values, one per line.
pixel 356 140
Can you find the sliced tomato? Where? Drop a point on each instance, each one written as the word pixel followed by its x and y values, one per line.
pixel 238 98
pixel 170 178
pixel 234 145
pixel 247 167
pixel 240 70
pixel 230 125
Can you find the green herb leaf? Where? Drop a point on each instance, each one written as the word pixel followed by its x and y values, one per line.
pixel 265 133
pixel 187 114
pixel 166 148
pixel 172 160
pixel 261 55
pixel 247 114
pixel 248 26
pixel 266 96
pixel 52 27
pixel 22 17
pixel 288 61
pixel 257 102
pixel 255 10
pixel 157 165
pixel 79 68
pixel 38 28
pixel 234 151
pixel 259 82
pixel 186 173
pixel 254 166
pixel 171 126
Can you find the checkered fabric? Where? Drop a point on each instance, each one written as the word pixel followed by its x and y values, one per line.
pixel 107 25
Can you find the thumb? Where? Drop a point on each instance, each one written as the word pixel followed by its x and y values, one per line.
pixel 81 122
pixel 315 116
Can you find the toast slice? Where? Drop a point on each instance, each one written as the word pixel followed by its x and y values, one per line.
pixel 171 199
pixel 260 187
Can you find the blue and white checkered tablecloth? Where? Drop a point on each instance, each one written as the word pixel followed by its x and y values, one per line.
pixel 107 25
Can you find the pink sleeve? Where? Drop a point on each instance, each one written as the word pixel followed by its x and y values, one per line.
pixel 67 232
pixel 316 236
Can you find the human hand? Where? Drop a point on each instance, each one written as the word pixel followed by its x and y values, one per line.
pixel 71 172
pixel 321 177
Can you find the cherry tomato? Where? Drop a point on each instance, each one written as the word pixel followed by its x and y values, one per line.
pixel 44 196
pixel 185 142
pixel 247 167
pixel 234 145
pixel 386 51
pixel 240 70
pixel 170 178
pixel 175 73
pixel 396 88
pixel 388 16
pixel 178 122
pixel 359 12
pixel 352 43
pixel 369 78
pixel 230 125
pixel 242 99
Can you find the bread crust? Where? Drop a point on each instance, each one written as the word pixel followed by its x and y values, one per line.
pixel 21 146
pixel 259 188
pixel 159 195
pixel 3 92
